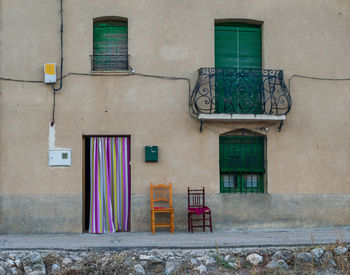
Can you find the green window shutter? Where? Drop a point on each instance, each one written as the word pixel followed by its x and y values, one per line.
pixel 238 46
pixel 226 47
pixel 110 47
pixel 249 47
pixel 241 164
pixel 241 154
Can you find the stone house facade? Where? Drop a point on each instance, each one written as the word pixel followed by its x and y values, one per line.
pixel 249 99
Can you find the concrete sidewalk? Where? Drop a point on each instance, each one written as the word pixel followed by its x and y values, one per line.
pixel 234 238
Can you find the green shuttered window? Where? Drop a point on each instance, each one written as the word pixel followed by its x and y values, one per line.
pixel 238 48
pixel 110 47
pixel 241 164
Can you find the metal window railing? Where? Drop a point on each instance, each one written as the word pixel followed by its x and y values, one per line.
pixel 240 91
pixel 109 62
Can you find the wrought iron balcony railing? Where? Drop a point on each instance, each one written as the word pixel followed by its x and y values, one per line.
pixel 240 91
pixel 109 62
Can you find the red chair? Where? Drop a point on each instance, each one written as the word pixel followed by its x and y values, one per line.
pixel 197 210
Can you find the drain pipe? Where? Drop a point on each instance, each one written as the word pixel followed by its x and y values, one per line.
pixel 61 70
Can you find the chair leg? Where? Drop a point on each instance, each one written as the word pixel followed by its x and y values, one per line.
pixel 203 217
pixel 211 229
pixel 191 222
pixel 153 227
pixel 172 222
pixel 188 221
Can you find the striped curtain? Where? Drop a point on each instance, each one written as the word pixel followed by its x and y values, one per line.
pixel 109 184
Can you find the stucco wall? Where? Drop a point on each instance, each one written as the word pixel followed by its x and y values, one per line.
pixel 40 214
pixel 172 38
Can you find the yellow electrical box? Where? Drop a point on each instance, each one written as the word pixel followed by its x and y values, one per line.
pixel 50 73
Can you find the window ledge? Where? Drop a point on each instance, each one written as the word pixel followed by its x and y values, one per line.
pixel 240 117
pixel 112 72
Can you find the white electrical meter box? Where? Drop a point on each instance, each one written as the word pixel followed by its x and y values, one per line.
pixel 60 158
pixel 50 73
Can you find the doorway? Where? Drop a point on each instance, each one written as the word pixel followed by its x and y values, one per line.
pixel 106 184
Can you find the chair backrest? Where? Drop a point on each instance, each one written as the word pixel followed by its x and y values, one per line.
pixel 196 197
pixel 161 194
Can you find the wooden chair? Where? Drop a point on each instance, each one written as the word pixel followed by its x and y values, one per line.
pixel 161 202
pixel 197 210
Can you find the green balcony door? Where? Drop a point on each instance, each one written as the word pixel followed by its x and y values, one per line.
pixel 238 49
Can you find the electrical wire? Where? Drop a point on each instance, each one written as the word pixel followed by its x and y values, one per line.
pixel 314 78
pixel 21 80
pixel 151 76
pixel 61 71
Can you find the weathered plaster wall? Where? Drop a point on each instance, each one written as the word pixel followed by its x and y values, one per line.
pixel 40 214
pixel 255 211
pixel 173 38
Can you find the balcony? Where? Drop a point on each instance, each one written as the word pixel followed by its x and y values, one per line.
pixel 109 62
pixel 240 94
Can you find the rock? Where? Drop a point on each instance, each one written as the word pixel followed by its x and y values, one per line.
pixel 329 271
pixel 194 261
pixel 78 259
pixel 203 258
pixel 15 271
pixel 66 261
pixel 74 269
pixel 10 263
pixel 145 257
pixel 33 264
pixel 169 268
pixel 304 257
pixel 172 268
pixel 144 264
pixel 328 260
pixel 210 261
pixel 104 263
pixel 129 263
pixel 4 265
pixel 139 269
pixel 280 264
pixel 2 271
pixel 318 252
pixel 282 255
pixel 227 258
pixel 151 258
pixel 201 268
pixel 254 258
pixel 12 256
pixel 55 268
pixel 340 250
pixel 19 264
